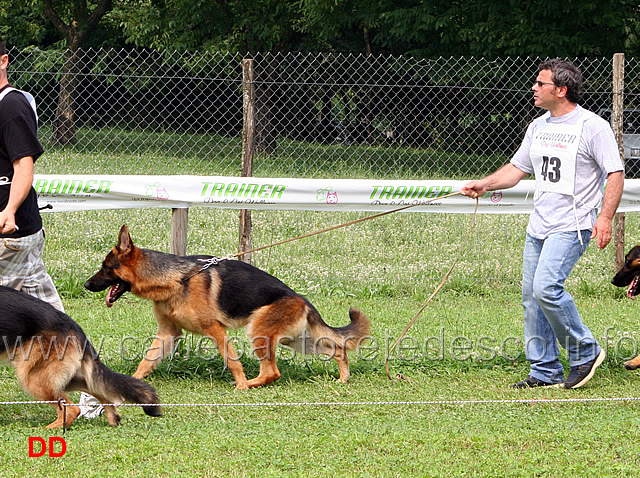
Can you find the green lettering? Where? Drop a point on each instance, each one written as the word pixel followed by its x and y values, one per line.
pixel 278 191
pixel 217 187
pixel 264 191
pixel 386 192
pixel 55 187
pixel 400 192
pixel 251 190
pixel 105 187
pixel 419 192
pixel 204 188
pixel 40 185
pixel 89 187
pixel 231 189
pixel 77 184
pixel 433 192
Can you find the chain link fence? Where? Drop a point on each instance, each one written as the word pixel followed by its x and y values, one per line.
pixel 317 115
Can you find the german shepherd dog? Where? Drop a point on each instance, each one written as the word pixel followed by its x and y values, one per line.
pixel 207 296
pixel 629 276
pixel 52 355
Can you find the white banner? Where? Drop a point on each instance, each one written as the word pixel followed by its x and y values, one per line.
pixel 85 192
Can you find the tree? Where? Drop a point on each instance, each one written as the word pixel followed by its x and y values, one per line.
pixel 22 25
pixel 492 28
pixel 230 25
pixel 481 28
pixel 76 20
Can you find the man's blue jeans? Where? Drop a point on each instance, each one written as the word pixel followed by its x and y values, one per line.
pixel 550 314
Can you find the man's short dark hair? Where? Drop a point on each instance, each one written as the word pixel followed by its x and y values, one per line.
pixel 565 73
pixel 3 47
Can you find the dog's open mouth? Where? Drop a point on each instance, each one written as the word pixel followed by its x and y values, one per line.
pixel 634 287
pixel 115 292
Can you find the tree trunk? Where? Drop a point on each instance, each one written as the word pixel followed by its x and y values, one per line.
pixel 64 129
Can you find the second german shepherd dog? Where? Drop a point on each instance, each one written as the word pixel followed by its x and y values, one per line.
pixel 52 355
pixel 629 276
pixel 207 296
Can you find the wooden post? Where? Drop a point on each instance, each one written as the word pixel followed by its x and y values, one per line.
pixel 617 114
pixel 179 221
pixel 248 150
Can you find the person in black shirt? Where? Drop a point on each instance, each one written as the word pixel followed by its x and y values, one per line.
pixel 21 233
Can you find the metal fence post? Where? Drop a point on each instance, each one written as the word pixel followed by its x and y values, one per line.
pixel 248 150
pixel 617 115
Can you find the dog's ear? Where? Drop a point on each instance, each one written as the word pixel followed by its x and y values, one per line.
pixel 125 243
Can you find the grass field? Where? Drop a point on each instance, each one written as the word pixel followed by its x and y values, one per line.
pixel 454 415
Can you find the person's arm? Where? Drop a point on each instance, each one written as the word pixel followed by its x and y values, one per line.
pixel 612 194
pixel 504 178
pixel 20 187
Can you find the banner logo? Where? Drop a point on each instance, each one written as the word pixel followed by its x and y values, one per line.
pixel 157 191
pixel 327 195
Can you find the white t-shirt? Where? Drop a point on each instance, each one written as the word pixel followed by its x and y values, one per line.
pixel 597 156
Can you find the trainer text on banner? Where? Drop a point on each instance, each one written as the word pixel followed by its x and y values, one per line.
pixel 86 192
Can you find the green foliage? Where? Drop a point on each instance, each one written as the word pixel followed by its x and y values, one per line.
pixel 484 28
pixel 504 28
pixel 30 23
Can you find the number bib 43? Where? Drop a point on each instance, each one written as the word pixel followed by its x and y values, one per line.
pixel 554 149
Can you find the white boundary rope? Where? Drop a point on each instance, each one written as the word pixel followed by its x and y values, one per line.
pixel 526 401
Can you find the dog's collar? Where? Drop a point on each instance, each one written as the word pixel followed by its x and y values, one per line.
pixel 214 261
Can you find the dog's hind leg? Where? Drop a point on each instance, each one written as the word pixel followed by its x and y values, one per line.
pixel 46 378
pixel 265 350
pixel 67 413
pixel 219 335
pixel 284 320
pixel 633 363
pixel 336 351
pixel 113 417
pixel 340 356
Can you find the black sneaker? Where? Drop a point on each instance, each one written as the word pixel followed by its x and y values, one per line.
pixel 581 374
pixel 532 382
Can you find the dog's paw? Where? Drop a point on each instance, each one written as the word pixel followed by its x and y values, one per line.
pixel 631 365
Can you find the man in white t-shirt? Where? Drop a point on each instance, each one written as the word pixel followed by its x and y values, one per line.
pixel 571 152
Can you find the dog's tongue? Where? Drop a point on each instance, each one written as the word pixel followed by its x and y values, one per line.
pixel 632 287
pixel 110 295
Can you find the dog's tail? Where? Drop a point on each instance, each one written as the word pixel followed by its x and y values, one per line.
pixel 119 388
pixel 349 336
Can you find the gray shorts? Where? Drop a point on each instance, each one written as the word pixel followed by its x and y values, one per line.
pixel 21 268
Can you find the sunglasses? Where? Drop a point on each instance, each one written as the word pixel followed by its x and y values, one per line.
pixel 542 83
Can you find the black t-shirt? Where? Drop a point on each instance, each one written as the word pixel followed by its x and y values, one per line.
pixel 18 138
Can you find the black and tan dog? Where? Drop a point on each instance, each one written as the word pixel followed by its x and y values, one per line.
pixel 629 276
pixel 207 296
pixel 52 355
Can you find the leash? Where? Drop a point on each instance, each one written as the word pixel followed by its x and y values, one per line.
pixel 350 223
pixel 215 260
pixel 437 289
